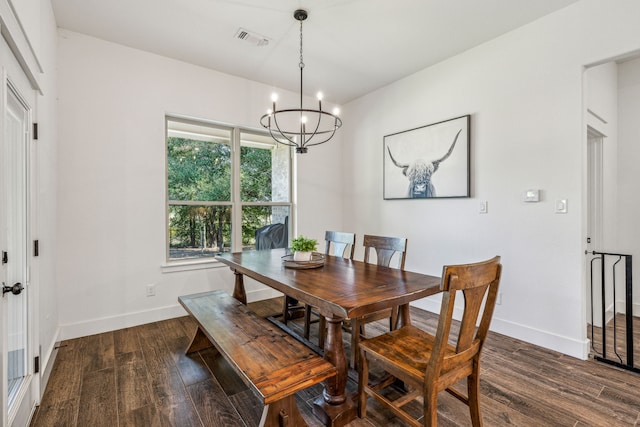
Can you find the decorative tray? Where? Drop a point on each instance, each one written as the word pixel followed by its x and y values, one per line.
pixel 317 260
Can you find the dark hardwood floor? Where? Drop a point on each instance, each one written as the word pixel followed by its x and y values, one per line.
pixel 140 377
pixel 616 340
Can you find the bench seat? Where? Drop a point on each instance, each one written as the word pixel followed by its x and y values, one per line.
pixel 268 360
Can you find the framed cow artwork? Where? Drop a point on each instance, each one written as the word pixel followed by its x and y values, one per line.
pixel 431 161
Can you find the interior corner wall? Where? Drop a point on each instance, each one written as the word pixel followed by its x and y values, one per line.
pixel 523 91
pixel 112 214
pixel 628 171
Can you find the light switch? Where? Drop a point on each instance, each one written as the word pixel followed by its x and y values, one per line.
pixel 532 196
pixel 484 207
pixel 561 206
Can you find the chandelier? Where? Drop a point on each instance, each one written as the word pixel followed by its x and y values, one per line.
pixel 301 127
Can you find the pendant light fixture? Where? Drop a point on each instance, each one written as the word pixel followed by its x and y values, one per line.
pixel 301 127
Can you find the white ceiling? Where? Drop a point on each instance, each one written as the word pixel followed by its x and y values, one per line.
pixel 351 47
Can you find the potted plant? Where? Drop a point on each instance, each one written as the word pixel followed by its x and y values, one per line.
pixel 303 248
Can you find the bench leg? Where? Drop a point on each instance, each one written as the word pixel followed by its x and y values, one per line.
pixel 198 342
pixel 283 413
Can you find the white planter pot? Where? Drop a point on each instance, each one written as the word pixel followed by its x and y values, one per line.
pixel 302 256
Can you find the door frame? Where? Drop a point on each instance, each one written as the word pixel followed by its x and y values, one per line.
pixel 14 79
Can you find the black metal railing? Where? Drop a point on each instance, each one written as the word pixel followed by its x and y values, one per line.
pixel 609 264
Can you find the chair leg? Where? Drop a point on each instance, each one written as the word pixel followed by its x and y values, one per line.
pixel 393 320
pixel 307 320
pixel 430 407
pixel 356 326
pixel 322 331
pixel 363 380
pixel 285 310
pixel 473 390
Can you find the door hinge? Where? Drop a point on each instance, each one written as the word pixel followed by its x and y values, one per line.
pixel 5 257
pixel 35 131
pixel 36 364
pixel 36 248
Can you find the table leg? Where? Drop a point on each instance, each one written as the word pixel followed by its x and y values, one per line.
pixel 238 291
pixel 334 407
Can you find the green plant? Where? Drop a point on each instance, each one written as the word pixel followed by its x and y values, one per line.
pixel 303 244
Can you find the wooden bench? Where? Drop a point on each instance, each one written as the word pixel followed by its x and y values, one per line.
pixel 267 359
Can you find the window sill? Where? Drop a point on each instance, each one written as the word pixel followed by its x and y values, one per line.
pixel 195 264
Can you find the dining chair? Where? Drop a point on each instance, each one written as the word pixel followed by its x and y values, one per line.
pixel 428 364
pixel 385 249
pixel 337 243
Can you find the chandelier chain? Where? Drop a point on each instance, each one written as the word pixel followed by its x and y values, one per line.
pixel 301 65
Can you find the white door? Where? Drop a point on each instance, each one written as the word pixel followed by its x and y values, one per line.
pixel 17 328
pixel 594 223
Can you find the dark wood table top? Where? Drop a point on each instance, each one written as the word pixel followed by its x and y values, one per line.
pixel 341 288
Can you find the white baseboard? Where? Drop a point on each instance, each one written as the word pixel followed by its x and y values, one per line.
pixel 262 294
pixel 569 346
pixel 127 320
pixel 47 361
pixel 621 307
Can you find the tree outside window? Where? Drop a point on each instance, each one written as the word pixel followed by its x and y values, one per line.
pixel 226 187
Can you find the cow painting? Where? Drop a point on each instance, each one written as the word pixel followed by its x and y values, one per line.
pixel 420 172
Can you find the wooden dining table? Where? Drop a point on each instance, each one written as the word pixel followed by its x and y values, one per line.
pixel 340 289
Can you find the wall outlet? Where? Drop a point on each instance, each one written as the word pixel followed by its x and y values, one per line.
pixel 499 299
pixel 484 207
pixel 151 290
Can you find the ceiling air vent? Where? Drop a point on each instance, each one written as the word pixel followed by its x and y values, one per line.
pixel 250 37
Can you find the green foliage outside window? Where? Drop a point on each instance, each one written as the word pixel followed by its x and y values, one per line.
pixel 200 171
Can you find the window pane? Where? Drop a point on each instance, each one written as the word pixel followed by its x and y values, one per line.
pixel 265 227
pixel 199 231
pixel 198 162
pixel 264 169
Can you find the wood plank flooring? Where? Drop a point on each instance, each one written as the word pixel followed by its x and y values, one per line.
pixel 616 342
pixel 140 376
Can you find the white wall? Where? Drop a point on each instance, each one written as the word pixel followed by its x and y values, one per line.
pixel 524 93
pixel 628 161
pixel 111 197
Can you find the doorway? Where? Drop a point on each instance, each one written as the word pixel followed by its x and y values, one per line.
pixel 595 141
pixel 611 211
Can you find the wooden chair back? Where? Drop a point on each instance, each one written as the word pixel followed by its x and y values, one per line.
pixel 386 248
pixel 340 242
pixel 475 281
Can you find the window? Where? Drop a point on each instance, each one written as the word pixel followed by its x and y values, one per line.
pixel 228 189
